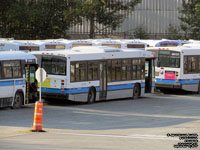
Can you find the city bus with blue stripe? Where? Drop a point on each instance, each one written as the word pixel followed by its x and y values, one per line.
pixel 17 79
pixel 177 68
pixel 89 74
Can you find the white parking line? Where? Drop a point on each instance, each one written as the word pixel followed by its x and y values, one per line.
pixel 133 136
pixel 113 113
pixel 101 114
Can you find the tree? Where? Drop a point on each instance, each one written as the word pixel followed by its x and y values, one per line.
pixel 4 6
pixel 173 32
pixel 54 17
pixel 104 14
pixel 140 32
pixel 190 18
pixel 37 19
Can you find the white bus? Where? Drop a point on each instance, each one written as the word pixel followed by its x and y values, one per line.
pixel 89 74
pixel 133 44
pixel 61 44
pixel 177 68
pixel 163 43
pixel 20 45
pixel 17 79
pixel 168 43
pixel 107 42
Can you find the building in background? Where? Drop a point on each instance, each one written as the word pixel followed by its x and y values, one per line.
pixel 154 18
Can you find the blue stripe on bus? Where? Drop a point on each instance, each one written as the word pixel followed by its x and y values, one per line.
pixel 6 83
pixel 50 90
pixel 153 84
pixel 181 81
pixel 10 83
pixel 86 89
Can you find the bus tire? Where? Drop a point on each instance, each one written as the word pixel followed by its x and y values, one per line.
pixel 136 91
pixel 91 96
pixel 18 100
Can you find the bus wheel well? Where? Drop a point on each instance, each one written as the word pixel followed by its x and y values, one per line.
pixel 18 99
pixel 21 92
pixel 136 90
pixel 91 95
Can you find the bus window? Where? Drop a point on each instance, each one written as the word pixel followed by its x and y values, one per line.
pixel 76 45
pixel 16 68
pixel 7 70
pixel 199 64
pixel 135 46
pixel 72 73
pixel 112 45
pixel 36 48
pixel 32 74
pixel 169 59
pixel 92 71
pixel 53 65
pixel 12 69
pixel 54 46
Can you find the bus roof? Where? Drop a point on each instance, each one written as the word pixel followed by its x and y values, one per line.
pixel 15 55
pixel 178 49
pixel 66 44
pixel 105 41
pixel 96 52
pixel 163 43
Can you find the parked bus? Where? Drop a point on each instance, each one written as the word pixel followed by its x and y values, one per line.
pixel 107 42
pixel 133 44
pixel 177 68
pixel 163 43
pixel 89 74
pixel 20 45
pixel 168 43
pixel 61 44
pixel 17 79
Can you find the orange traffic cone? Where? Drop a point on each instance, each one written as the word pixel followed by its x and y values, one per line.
pixel 37 122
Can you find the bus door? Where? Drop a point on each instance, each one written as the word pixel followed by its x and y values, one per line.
pixel 31 84
pixel 148 75
pixel 103 80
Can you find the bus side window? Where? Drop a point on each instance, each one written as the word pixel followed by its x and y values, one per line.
pixel 7 70
pixel 72 72
pixel 16 68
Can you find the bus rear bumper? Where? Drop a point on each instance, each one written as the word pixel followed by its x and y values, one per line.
pixel 58 96
pixel 168 85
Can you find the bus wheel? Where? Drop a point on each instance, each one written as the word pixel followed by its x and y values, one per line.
pixel 91 96
pixel 18 101
pixel 136 91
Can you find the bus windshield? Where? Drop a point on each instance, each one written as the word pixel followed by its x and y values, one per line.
pixel 168 58
pixel 54 65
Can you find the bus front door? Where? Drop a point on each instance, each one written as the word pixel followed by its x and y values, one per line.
pixel 148 75
pixel 31 84
pixel 103 81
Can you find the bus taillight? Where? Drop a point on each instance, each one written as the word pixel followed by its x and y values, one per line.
pixel 62 82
